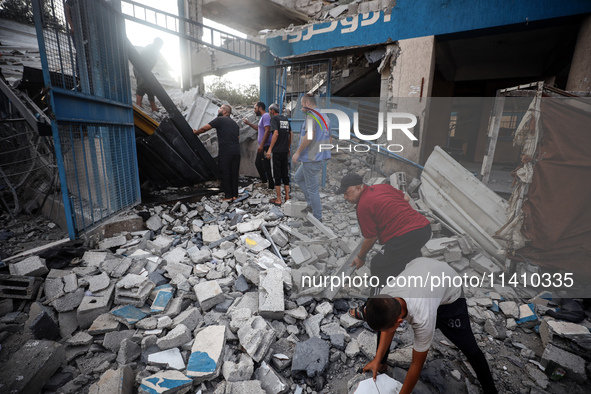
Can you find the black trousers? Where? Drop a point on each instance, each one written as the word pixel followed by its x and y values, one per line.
pixel 454 322
pixel 263 166
pixel 397 253
pixel 281 168
pixel 229 165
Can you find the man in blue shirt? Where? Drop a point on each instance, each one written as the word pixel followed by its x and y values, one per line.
pixel 309 154
pixel 261 162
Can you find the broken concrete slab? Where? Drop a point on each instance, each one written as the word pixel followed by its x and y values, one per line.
pixel 174 268
pixel 98 282
pixel 256 337
pixel 36 361
pixel 255 242
pixel 209 294
pixel 348 321
pixel 484 265
pixel 555 357
pixel 271 302
pixel 294 209
pixel 210 233
pixel 112 242
pixel 94 258
pixel 112 340
pixel 246 387
pixel 31 266
pixel 191 318
pixel 103 324
pixel 133 290
pixel 163 295
pixel 279 237
pixel 509 309
pixel 128 351
pixel 550 328
pixel 128 314
pixel 114 381
pixel 166 382
pixel 207 353
pixel 69 301
pixel 311 356
pixel 81 338
pixel 238 371
pixel 161 244
pixel 271 381
pixel 250 226
pixel 527 316
pixel 170 358
pixel 178 336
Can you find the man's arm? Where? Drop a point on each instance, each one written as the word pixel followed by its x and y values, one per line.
pixel 255 127
pixel 303 145
pixel 273 141
pixel 412 376
pixel 205 128
pixel 375 364
pixel 366 246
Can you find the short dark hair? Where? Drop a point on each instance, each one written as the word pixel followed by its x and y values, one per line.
pixel 309 98
pixel 382 312
pixel 262 105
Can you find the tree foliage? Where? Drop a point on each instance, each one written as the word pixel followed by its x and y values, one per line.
pixel 22 11
pixel 17 10
pixel 235 94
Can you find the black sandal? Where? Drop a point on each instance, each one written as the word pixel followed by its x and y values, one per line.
pixel 358 313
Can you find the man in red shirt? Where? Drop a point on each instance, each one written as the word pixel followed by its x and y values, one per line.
pixel 385 215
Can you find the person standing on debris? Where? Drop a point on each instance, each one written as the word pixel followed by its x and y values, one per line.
pixel 280 144
pixel 310 155
pixel 262 163
pixel 228 133
pixel 149 55
pixel 384 215
pixel 410 297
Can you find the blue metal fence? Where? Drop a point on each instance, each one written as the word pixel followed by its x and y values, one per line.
pixel 85 67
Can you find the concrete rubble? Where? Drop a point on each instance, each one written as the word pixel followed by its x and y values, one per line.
pixel 202 301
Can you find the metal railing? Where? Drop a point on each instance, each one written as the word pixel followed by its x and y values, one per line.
pixel 196 32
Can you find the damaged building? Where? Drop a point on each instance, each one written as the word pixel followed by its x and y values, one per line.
pixel 122 269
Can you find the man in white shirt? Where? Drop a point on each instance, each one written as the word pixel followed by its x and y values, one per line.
pixel 413 296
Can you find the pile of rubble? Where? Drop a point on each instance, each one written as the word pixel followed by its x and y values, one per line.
pixel 209 297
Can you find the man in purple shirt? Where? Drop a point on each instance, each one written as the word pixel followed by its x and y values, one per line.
pixel 261 162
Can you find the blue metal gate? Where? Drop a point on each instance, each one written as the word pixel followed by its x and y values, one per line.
pixel 86 74
pixel 290 81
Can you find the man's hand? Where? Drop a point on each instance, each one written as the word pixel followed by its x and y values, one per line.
pixel 357 262
pixel 295 157
pixel 268 154
pixel 260 149
pixel 373 366
pixel 245 121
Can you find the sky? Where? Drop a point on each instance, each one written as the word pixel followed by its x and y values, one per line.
pixel 141 35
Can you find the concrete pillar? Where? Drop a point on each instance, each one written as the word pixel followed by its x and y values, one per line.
pixel 407 88
pixel 195 12
pixel 184 49
pixel 579 77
